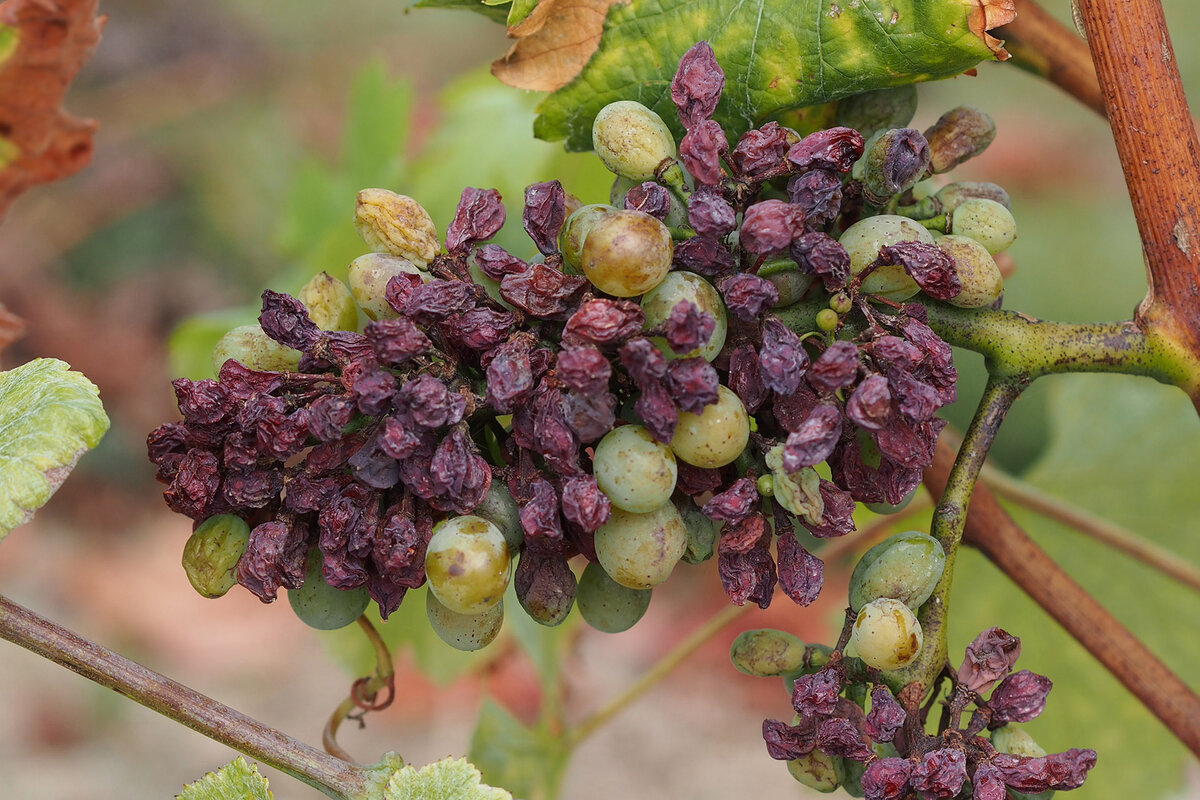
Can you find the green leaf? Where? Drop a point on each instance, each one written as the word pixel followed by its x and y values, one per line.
pixel 777 55
pixel 236 780
pixel 448 779
pixel 523 760
pixel 496 13
pixel 1130 457
pixel 519 10
pixel 49 417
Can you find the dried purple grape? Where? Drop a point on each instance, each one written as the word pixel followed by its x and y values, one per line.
pixel 748 576
pixel 195 484
pixel 838 517
pixel 817 694
pixel 770 227
pixel 748 296
pixel 818 193
pixel 886 715
pixel 697 85
pixel 584 504
pixel 703 255
pixel 479 216
pixel 822 255
pixel 545 210
pixel 539 517
pixel 745 377
pixel 840 737
pixel 274 557
pixel 835 369
pixel 583 369
pixel 785 742
pixel 480 328
pixel 833 148
pixel 931 267
pixel 870 404
pixel 509 375
pixel 781 360
pixel 286 320
pixel 988 783
pixel 801 574
pixel 701 150
pixel 761 153
pixel 542 291
pixel 649 198
pixel 940 774
pixel 734 504
pixel 439 299
pixel 988 659
pixel 692 384
pixel 886 779
pixel 603 323
pixel 687 327
pixel 709 213
pixel 1058 771
pixel 496 262
pixel 545 586
pixel 395 341
pixel 1020 697
pixel 814 441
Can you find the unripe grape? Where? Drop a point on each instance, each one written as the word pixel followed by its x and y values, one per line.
pixel 702 531
pixel 1016 740
pixel 864 239
pixel 464 631
pixel 500 509
pixel 715 436
pixel 765 485
pixel 467 564
pixel 985 221
pixel 252 348
pixel 320 605
pixel 766 652
pixel 396 224
pixel 789 280
pixel 817 771
pixel 827 319
pixel 369 276
pixel 605 604
pixel 575 230
pixel 631 140
pixel 658 303
pixel 952 195
pixel 905 567
pixel 212 552
pixel 841 303
pixel 981 280
pixel 886 635
pixel 626 253
pixel 330 303
pixel 636 471
pixel 640 550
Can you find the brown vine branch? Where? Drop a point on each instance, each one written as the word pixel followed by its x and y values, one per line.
pixel 991 531
pixel 186 706
pixel 1044 46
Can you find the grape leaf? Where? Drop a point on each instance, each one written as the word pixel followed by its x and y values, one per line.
pixel 237 780
pixel 493 12
pixel 554 42
pixel 777 55
pixel 1132 459
pixel 523 760
pixel 42 45
pixel 49 417
pixel 448 779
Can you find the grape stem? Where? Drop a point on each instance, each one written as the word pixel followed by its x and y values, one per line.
pixel 363 692
pixel 333 776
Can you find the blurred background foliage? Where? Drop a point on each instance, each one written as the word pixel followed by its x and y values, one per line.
pixel 233 138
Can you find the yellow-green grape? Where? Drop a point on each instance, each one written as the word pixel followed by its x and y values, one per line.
pixel 765 485
pixel 631 140
pixel 905 567
pixel 715 436
pixel 658 303
pixel 841 303
pixel 467 564
pixel 886 635
pixel 605 604
pixel 798 492
pixel 500 509
pixel 1014 739
pixel 321 606
pixel 766 652
pixel 817 770
pixel 636 471
pixel 464 631
pixel 985 221
pixel 575 230
pixel 827 319
pixel 864 239
pixel 396 224
pixel 369 276
pixel 982 283
pixel 626 253
pixel 790 282
pixel 640 550
pixel 252 348
pixel 330 303
pixel 212 552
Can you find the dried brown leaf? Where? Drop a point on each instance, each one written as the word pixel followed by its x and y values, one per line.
pixel 553 43
pixel 39 141
pixel 987 15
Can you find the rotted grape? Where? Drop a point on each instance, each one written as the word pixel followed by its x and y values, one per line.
pixel 766 652
pixel 886 635
pixel 211 554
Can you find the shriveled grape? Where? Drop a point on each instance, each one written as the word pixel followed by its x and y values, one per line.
pixel 864 239
pixel 678 286
pixel 330 303
pixel 212 552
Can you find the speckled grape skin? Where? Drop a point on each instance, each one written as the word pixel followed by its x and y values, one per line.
pixel 863 241
pixel 904 567
pixel 467 564
pixel 982 283
pixel 658 303
pixel 626 253
pixel 714 437
pixel 886 635
pixel 631 139
pixel 639 551
pixel 635 471
pixel 250 347
pixel 574 232
pixel 464 631
pixel 369 276
pixel 985 221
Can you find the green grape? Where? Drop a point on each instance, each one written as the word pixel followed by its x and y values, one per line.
pixel 952 195
pixel 620 188
pixel 798 492
pixel 212 552
pixel 818 771
pixel 982 283
pixel 841 303
pixel 252 348
pixel 886 635
pixel 464 631
pixel 791 283
pixel 321 606
pixel 640 550
pixel 605 604
pixel 626 253
pixel 369 276
pixel 330 303
pixel 631 140
pixel 904 567
pixel 396 224
pixel 658 303
pixel 499 508
pixel 818 657
pixel 889 508
pixel 985 221
pixel 467 564
pixel 702 531
pixel 766 652
pixel 575 230
pixel 715 436
pixel 827 320
pixel 864 239
pixel 765 485
pixel 633 469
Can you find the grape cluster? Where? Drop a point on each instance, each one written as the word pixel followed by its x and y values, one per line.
pixel 659 382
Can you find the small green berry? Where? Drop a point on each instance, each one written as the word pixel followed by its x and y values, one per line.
pixel 766 485
pixel 827 319
pixel 841 303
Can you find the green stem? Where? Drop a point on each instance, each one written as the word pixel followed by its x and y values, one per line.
pixel 330 775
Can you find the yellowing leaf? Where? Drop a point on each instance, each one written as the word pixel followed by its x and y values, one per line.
pixel 448 779
pixel 236 780
pixel 49 417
